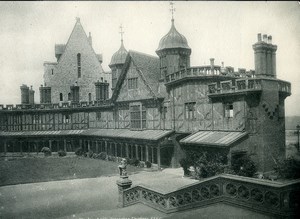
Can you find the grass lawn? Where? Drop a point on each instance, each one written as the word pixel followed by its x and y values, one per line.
pixel 42 169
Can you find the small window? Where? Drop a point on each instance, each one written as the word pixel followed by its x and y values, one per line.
pixel 61 97
pixel 101 79
pixel 228 110
pixel 132 83
pixel 79 65
pixel 52 71
pixel 90 97
pixel 69 96
pixel 190 109
pixel 66 118
pixel 98 115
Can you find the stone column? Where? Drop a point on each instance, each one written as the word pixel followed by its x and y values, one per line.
pixel 158 155
pixel 131 150
pixel 127 151
pixel 50 145
pixel 147 153
pixel 152 157
pixel 36 147
pixel 21 147
pixel 80 144
pixel 137 151
pixel 5 147
pixel 89 145
pixel 116 149
pixel 97 147
pixel 121 148
pixel 142 157
pixel 65 145
pixel 106 147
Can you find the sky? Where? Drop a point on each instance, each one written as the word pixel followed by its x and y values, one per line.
pixel 225 31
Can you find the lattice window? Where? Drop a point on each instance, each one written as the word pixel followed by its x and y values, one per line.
pixel 132 83
pixel 190 109
pixel 138 117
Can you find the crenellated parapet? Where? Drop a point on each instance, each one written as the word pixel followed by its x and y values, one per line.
pixel 56 106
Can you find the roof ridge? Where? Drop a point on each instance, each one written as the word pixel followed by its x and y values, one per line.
pixel 86 37
pixel 141 53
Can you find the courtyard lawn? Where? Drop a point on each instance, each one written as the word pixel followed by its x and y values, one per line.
pixel 42 169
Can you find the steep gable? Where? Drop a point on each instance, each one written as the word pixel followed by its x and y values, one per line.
pixel 66 72
pixel 143 67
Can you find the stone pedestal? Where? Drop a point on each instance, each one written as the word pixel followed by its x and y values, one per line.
pixel 123 183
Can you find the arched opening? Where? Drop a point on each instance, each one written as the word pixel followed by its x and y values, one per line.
pixel 60 97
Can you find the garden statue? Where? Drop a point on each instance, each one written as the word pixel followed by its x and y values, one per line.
pixel 122 167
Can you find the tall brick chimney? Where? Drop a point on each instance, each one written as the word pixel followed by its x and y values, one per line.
pixel 265 57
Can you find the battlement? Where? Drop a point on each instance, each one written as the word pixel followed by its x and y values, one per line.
pixel 58 106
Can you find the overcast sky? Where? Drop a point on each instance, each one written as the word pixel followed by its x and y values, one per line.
pixel 225 31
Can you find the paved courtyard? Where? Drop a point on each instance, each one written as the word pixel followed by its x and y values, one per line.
pixel 97 198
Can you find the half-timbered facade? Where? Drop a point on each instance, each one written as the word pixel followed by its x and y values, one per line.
pixel 161 106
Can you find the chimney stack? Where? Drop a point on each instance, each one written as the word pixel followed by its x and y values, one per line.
pixel 265 57
pixel 259 37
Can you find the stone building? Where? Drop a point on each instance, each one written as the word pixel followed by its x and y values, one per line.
pixel 159 107
pixel 77 65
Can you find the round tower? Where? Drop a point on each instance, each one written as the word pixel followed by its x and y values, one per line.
pixel 117 61
pixel 173 51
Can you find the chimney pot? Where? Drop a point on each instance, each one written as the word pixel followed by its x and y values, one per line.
pixel 259 37
pixel 270 39
pixel 265 38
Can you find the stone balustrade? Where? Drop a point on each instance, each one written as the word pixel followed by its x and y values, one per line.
pixel 206 71
pixel 62 105
pixel 268 197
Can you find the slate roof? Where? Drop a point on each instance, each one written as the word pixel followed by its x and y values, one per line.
pixel 151 135
pixel 148 67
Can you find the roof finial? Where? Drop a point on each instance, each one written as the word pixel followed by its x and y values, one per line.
pixel 172 10
pixel 77 19
pixel 121 32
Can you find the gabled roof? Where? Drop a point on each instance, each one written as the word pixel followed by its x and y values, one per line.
pixel 78 31
pixel 148 68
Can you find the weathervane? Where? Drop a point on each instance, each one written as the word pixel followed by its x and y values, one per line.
pixel 121 32
pixel 172 9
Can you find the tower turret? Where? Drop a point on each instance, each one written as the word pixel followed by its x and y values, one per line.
pixel 173 51
pixel 265 56
pixel 117 61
